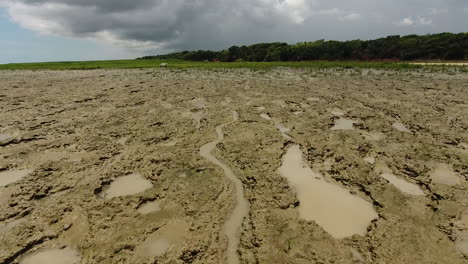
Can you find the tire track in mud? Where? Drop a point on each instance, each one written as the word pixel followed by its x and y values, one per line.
pixel 233 225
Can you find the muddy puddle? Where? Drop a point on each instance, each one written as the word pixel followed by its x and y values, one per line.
pixel 168 237
pixel 265 116
pixel 11 176
pixel 370 160
pixel 462 246
pixel 53 256
pixel 154 248
pixel 233 224
pixel 149 207
pixel 127 185
pixel 283 130
pixel 5 137
pixel 332 207
pixel 443 174
pixel 5 194
pixel 400 127
pixel 462 234
pixel 343 124
pixel 402 185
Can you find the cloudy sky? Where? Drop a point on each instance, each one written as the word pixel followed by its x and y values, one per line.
pixel 52 30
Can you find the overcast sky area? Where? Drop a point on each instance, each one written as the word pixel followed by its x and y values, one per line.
pixel 58 30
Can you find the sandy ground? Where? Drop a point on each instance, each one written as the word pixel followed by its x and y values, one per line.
pixel 67 138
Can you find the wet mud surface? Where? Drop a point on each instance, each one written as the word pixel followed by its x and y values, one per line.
pixel 105 166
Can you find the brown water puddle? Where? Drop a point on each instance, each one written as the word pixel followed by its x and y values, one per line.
pixel 443 174
pixel 462 235
pixel 260 108
pixel 332 207
pixel 149 207
pixel 400 127
pixel 164 239
pixel 370 160
pixel 343 124
pixel 5 137
pixel 232 226
pixel 127 185
pixel 402 185
pixel 11 176
pixel 53 256
pixel 265 116
pixel 462 246
pixel 282 129
pixel 5 194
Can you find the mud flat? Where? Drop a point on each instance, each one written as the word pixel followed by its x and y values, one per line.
pixel 151 166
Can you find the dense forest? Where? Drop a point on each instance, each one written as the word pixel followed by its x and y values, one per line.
pixel 444 46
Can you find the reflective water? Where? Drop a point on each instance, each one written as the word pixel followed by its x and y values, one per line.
pixel 149 207
pixel 443 174
pixel 11 176
pixel 402 185
pixel 370 160
pixel 332 207
pixel 400 127
pixel 164 239
pixel 53 256
pixel 4 137
pixel 343 124
pixel 265 116
pixel 127 185
pixel 233 224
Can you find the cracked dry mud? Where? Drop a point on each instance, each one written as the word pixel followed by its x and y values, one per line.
pixel 104 166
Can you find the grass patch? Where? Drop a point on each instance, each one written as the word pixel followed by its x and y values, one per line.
pixel 153 63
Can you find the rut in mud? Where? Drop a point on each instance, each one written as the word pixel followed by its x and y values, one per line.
pixel 233 224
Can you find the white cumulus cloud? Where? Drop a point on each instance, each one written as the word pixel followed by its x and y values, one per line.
pixel 410 21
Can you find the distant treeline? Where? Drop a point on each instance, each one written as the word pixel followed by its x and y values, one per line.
pixel 444 46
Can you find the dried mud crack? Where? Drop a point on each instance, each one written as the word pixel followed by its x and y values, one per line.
pixel 232 227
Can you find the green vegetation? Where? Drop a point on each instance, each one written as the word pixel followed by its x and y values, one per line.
pixel 444 46
pixel 384 53
pixel 152 63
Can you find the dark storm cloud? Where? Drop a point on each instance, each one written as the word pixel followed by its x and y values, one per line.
pixel 215 24
pixel 104 5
